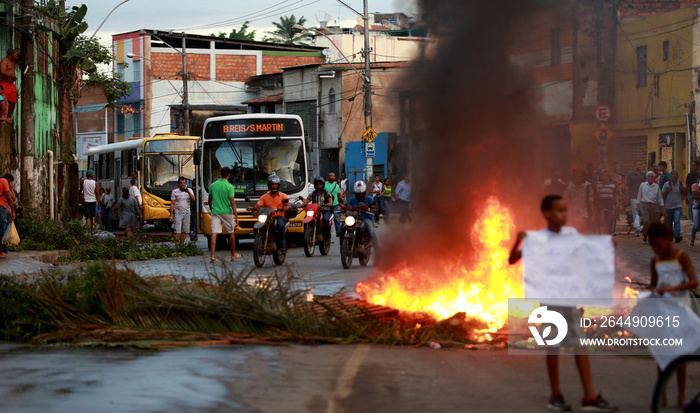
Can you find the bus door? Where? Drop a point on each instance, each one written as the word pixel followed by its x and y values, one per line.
pixel 117 176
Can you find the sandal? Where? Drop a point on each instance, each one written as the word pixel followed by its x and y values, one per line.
pixel 235 257
pixel 213 260
pixel 692 242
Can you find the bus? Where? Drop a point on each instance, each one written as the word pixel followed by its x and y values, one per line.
pixel 253 146
pixel 159 162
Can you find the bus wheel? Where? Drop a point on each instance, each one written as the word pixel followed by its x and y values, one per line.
pixel 208 242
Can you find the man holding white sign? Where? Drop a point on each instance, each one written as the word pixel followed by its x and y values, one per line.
pixel 551 270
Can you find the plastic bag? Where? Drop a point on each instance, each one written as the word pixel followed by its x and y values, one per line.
pixel 637 222
pixel 11 237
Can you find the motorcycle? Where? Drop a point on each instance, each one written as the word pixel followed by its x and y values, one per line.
pixel 266 235
pixel 356 242
pixel 315 228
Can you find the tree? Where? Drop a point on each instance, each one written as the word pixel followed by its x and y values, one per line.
pixel 81 52
pixel 240 34
pixel 285 33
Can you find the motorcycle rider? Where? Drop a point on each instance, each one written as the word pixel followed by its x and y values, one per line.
pixel 365 205
pixel 325 202
pixel 275 199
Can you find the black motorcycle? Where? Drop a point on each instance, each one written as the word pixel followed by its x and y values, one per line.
pixel 356 242
pixel 317 231
pixel 266 235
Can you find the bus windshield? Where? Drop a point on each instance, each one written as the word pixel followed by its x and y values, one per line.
pixel 252 161
pixel 162 171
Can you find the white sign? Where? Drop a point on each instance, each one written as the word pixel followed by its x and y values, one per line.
pixel 369 149
pixel 603 113
pixel 87 141
pixel 558 269
pixel 673 321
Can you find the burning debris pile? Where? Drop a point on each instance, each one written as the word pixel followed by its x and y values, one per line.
pixel 477 287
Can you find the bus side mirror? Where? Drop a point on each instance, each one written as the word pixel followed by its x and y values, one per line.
pixel 197 156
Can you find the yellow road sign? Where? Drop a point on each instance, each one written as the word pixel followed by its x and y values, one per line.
pixel 603 134
pixel 369 135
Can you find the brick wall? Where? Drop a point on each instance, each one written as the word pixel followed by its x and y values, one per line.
pixel 171 65
pixel 235 68
pixel 274 64
pixel 641 8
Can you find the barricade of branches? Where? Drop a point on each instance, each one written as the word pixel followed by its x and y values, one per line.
pixel 111 304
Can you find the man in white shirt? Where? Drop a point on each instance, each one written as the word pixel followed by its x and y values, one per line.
pixel 343 186
pixel 136 193
pixel 650 203
pixel 91 190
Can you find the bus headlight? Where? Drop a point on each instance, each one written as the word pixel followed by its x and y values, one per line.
pixel 262 218
pixel 350 221
pixel 309 213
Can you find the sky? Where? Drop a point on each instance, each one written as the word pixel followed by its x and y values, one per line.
pixel 213 16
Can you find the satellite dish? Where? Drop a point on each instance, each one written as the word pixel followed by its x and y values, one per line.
pixel 327 51
pixel 323 18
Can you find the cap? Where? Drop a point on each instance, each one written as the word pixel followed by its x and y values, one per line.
pixel 90 172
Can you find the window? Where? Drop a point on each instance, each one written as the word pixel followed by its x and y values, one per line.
pixel 120 123
pixel 120 68
pixel 642 66
pixel 137 70
pixel 270 108
pixel 109 170
pixel 555 36
pixel 665 47
pixel 331 101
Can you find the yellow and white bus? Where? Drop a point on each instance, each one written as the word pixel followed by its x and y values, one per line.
pixel 253 146
pixel 159 162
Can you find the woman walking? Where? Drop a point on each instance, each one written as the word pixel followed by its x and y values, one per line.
pixel 129 212
pixel 386 200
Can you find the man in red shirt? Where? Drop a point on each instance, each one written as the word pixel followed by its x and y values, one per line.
pixel 275 199
pixel 7 207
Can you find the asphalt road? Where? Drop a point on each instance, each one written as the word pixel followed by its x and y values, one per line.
pixel 327 378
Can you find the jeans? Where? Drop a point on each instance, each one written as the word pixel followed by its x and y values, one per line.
pixel 673 219
pixel 696 220
pixel 369 227
pixel 405 211
pixel 107 217
pixel 193 222
pixel 335 209
pixel 633 203
pixel 281 232
pixel 325 218
pixel 386 208
pixel 4 225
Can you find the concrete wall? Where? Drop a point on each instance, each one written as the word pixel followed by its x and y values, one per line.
pixel 659 107
pixel 384 48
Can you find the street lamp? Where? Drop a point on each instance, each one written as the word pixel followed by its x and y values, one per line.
pixel 185 100
pixel 109 14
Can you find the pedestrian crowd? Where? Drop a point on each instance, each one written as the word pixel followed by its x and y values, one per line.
pixel 597 198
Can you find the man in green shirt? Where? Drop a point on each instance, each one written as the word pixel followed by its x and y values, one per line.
pixel 223 212
pixel 334 189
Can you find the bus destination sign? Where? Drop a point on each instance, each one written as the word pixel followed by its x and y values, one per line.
pixel 247 128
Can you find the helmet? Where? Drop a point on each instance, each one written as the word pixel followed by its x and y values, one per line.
pixel 360 187
pixel 271 180
pixel 317 180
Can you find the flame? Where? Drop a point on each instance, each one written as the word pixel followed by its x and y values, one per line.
pixel 479 286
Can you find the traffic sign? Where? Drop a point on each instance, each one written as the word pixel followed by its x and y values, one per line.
pixel 603 134
pixel 369 150
pixel 369 135
pixel 603 113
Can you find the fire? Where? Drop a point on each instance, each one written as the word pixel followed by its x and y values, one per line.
pixel 478 286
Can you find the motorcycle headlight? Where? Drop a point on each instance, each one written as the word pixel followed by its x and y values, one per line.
pixel 262 218
pixel 350 221
pixel 309 213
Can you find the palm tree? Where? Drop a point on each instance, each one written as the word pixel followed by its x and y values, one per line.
pixel 285 33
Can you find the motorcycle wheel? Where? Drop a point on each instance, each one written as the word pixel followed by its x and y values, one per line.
pixel 325 247
pixel 310 240
pixel 279 258
pixel 346 253
pixel 259 249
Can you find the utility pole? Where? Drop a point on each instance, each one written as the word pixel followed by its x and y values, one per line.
pixel 28 187
pixel 369 171
pixel 185 100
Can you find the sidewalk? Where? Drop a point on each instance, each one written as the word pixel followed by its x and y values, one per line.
pixel 33 262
